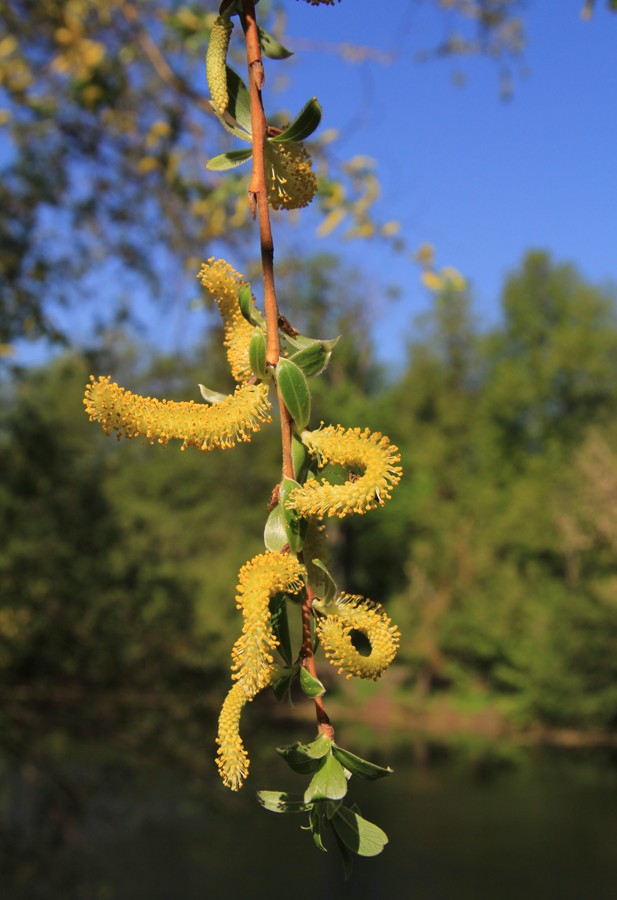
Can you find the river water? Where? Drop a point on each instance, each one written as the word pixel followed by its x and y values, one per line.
pixel 484 824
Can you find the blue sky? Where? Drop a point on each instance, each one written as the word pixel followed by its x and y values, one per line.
pixel 482 179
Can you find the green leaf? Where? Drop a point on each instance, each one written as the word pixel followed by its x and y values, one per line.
pixel 211 396
pixel 295 526
pixel 299 760
pixel 310 685
pixel 257 353
pixel 282 802
pixel 315 824
pixel 271 47
pixel 282 682
pixel 321 582
pixel 295 392
pixel 280 626
pixel 275 536
pixel 346 856
pixel 229 160
pixel 247 307
pixel 303 125
pixel 360 767
pixel 328 783
pixel 239 106
pixel 300 341
pixel 301 457
pixel 313 359
pixel 359 835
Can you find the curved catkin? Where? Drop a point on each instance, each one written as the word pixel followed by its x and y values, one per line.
pixel 223 283
pixel 371 452
pixel 216 58
pixel 290 180
pixel 352 613
pixel 259 580
pixel 219 426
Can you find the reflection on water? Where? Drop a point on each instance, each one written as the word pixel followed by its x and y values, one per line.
pixel 539 824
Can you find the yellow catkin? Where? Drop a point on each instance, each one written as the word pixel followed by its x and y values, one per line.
pixel 207 427
pixel 352 613
pixel 223 283
pixel 290 180
pixel 216 58
pixel 371 452
pixel 259 580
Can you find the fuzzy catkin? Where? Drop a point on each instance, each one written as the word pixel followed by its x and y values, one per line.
pixel 216 58
pixel 352 613
pixel 253 664
pixel 223 284
pixel 207 427
pixel 368 451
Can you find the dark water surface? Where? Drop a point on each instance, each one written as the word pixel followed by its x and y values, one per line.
pixel 466 826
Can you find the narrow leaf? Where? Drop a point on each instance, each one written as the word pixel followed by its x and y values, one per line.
pixel 247 307
pixel 310 685
pixel 275 536
pixel 282 683
pixel 359 835
pixel 239 105
pixel 312 360
pixel 280 626
pixel 328 783
pixel 301 457
pixel 303 125
pixel 298 759
pixel 346 856
pixel 315 822
pixel 229 160
pixel 295 526
pixel 257 353
pixel 282 802
pixel 272 48
pixel 321 582
pixel 360 767
pixel 295 392
pixel 211 396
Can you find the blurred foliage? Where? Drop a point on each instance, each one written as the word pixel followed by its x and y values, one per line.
pixel 106 126
pixel 497 557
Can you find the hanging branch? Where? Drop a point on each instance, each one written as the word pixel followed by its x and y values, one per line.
pixel 291 575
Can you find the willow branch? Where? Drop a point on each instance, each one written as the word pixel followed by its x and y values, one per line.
pixel 258 197
pixel 308 661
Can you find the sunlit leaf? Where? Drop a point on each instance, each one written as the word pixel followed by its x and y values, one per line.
pixel 310 685
pixel 359 835
pixel 229 160
pixel 360 767
pixel 272 48
pixel 282 802
pixel 275 536
pixel 328 783
pixel 303 125
pixel 294 389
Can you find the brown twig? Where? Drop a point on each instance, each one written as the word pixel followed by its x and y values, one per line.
pixel 308 661
pixel 258 198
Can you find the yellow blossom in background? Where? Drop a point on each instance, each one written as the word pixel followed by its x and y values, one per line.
pixel 221 425
pixel 425 255
pixel 290 180
pixel 352 613
pixel 259 580
pixel 368 451
pixel 224 283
